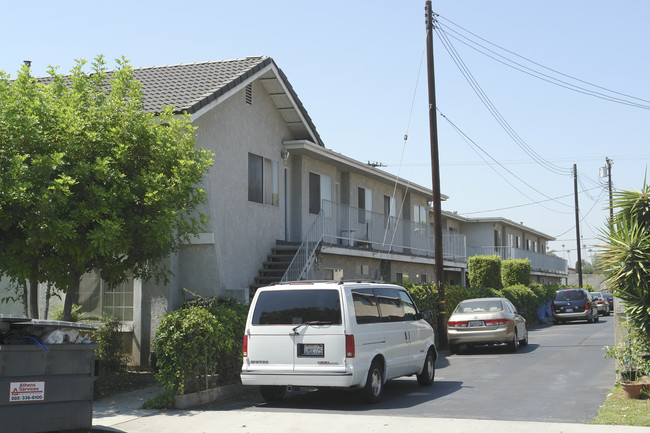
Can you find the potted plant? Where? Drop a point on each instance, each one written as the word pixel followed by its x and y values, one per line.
pixel 633 362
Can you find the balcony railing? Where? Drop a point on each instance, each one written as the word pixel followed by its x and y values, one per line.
pixel 538 261
pixel 354 227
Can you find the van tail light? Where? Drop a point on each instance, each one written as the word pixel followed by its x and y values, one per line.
pixel 586 305
pixel 349 346
pixel 245 349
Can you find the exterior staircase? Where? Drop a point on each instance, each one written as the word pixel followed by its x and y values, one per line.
pixel 275 265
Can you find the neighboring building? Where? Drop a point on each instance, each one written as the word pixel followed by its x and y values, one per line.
pixel 510 240
pixel 282 206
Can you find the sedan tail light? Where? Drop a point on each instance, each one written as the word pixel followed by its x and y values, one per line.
pixel 457 324
pixel 496 322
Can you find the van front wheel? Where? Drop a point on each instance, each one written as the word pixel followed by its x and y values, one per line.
pixel 272 393
pixel 428 371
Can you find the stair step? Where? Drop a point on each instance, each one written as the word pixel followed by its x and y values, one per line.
pixel 272 272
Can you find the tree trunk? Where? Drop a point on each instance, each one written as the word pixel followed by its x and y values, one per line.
pixel 70 294
pixel 48 294
pixel 25 301
pixel 33 299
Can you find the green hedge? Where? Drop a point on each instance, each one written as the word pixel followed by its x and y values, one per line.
pixel 515 271
pixel 524 300
pixel 198 341
pixel 527 299
pixel 484 271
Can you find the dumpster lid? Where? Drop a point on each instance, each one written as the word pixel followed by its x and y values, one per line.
pixel 12 318
pixel 55 324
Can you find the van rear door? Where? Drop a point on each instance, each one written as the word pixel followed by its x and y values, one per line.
pixel 296 330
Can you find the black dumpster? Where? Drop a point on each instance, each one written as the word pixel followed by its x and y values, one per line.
pixel 47 373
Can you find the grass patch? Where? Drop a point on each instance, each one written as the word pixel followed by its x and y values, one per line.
pixel 618 410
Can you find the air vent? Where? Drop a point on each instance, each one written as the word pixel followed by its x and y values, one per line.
pixel 249 94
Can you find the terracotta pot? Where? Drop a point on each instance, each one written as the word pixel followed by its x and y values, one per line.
pixel 631 389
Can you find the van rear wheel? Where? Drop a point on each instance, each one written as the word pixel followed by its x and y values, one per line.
pixel 374 388
pixel 273 393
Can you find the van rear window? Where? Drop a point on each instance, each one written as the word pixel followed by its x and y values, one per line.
pixel 293 307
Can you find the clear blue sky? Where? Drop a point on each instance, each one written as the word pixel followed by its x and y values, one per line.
pixel 355 66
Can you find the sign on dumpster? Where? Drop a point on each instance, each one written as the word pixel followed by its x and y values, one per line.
pixel 27 391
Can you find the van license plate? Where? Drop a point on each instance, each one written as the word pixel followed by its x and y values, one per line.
pixel 568 310
pixel 475 323
pixel 313 350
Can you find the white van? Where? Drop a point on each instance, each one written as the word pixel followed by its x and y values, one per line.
pixel 341 335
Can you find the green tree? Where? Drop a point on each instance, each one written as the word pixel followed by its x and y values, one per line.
pixel 625 256
pixel 88 180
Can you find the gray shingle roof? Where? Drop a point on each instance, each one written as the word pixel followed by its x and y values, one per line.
pixel 190 86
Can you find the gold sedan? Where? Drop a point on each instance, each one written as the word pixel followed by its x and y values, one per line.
pixel 486 321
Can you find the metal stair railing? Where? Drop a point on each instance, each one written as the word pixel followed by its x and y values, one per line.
pixel 302 261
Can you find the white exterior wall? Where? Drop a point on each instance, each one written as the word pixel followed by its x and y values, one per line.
pixel 243 231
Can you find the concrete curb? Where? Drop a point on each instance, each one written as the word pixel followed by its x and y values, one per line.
pixel 212 395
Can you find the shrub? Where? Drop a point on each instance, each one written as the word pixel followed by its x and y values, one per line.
pixel 515 271
pixel 187 344
pixel 75 315
pixel 232 315
pixel 525 300
pixel 485 271
pixel 110 353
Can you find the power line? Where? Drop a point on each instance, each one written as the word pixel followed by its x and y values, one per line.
pixel 475 145
pixel 492 108
pixel 543 76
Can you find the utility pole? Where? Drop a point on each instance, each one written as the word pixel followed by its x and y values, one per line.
pixel 609 183
pixel 435 177
pixel 575 191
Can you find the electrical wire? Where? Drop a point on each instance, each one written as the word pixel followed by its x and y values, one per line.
pixel 545 77
pixel 475 146
pixel 492 108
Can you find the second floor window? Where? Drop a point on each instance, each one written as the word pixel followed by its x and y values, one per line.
pixel 320 188
pixel 263 180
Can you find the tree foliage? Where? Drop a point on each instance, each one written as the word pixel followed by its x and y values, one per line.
pixel 88 180
pixel 625 255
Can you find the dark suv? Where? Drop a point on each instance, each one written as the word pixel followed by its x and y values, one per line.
pixel 574 304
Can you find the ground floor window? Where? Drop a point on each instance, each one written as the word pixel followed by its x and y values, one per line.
pixel 97 297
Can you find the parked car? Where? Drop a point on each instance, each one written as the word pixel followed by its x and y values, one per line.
pixel 486 321
pixel 601 303
pixel 610 300
pixel 341 335
pixel 573 304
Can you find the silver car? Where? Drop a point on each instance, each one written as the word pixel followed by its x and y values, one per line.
pixel 486 321
pixel 601 302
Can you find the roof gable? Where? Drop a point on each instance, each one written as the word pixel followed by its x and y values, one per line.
pixel 193 87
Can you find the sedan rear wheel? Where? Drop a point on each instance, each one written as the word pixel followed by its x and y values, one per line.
pixel 514 344
pixel 524 341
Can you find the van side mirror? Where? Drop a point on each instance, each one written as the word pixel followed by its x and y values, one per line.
pixel 426 314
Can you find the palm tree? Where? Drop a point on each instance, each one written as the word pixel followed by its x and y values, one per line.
pixel 625 257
